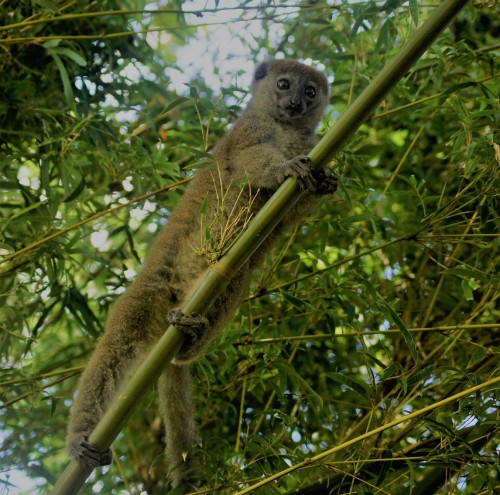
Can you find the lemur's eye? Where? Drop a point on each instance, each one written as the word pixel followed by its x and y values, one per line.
pixel 310 92
pixel 283 84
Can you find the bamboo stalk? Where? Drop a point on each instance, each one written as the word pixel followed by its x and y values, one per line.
pixel 263 223
pixel 371 433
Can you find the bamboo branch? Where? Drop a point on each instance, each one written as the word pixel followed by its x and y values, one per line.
pixel 466 443
pixel 127 12
pixel 375 431
pixel 493 327
pixel 263 223
pixel 18 254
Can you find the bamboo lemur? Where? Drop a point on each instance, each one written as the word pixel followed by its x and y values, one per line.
pixel 267 144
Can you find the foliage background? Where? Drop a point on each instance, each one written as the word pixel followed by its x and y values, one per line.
pixel 91 118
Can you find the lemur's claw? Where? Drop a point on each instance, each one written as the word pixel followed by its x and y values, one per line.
pixel 192 325
pixel 325 183
pixel 89 455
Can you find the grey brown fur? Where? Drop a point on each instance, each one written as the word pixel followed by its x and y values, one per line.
pixel 267 144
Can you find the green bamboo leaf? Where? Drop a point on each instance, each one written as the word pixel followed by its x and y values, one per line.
pixel 51 43
pixel 76 57
pixel 46 4
pixel 414 11
pixel 468 273
pixel 391 315
pixel 131 243
pixel 330 323
pixel 15 319
pixel 383 37
pixel 288 372
pixel 76 191
pixel 358 386
pixel 175 103
pixel 21 212
pixel 422 375
pixel 56 289
pixel 467 290
pixel 195 151
pixel 68 90
pixel 299 303
pixel 404 383
pixel 204 205
pixel 314 398
pixel 377 361
pixel 53 403
pixel 391 371
pixel 78 306
pixel 386 467
pixel 73 183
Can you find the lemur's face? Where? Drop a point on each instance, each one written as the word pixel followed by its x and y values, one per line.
pixel 294 95
pixel 288 90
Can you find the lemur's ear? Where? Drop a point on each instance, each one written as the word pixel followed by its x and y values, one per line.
pixel 260 71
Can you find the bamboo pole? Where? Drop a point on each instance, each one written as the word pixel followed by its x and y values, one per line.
pixel 262 224
pixel 371 433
